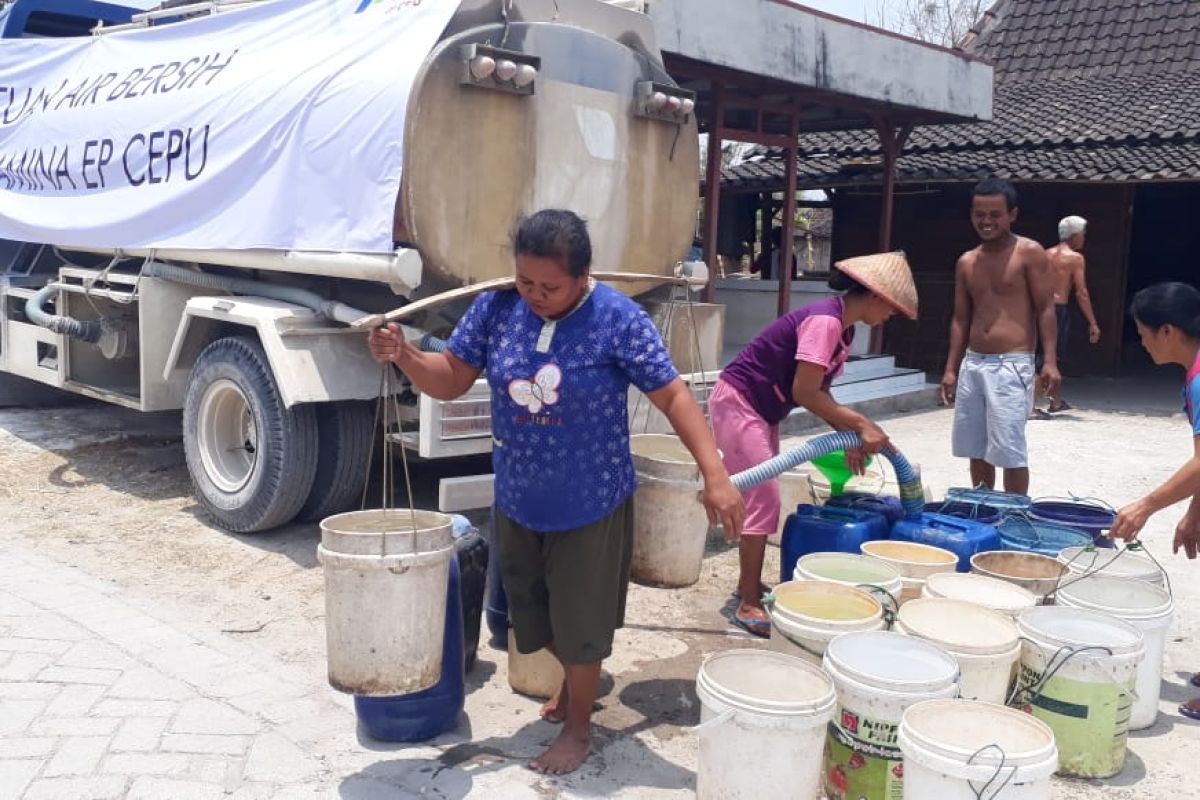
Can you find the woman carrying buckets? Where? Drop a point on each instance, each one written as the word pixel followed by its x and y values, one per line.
pixel 560 352
pixel 1168 320
pixel 792 363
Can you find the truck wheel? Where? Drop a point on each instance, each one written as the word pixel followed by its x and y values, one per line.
pixel 251 458
pixel 344 434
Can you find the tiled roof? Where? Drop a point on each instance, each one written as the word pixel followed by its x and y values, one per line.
pixel 1151 160
pixel 1080 120
pixel 1046 39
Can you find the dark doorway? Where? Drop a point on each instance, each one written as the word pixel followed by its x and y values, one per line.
pixel 1163 247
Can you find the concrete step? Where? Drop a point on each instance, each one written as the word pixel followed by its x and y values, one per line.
pixel 883 385
pixel 921 397
pixel 863 367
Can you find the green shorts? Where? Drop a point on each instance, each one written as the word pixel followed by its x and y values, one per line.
pixel 567 587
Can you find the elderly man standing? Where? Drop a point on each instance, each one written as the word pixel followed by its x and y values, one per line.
pixel 1003 300
pixel 1068 271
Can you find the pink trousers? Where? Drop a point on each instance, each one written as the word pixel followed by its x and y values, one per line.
pixel 746 440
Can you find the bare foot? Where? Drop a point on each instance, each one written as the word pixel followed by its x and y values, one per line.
pixel 555 709
pixel 566 754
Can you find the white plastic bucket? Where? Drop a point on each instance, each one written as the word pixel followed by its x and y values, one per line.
pixel 1084 695
pixel 1111 563
pixel 1146 606
pixel 878 675
pixel 915 561
pixel 998 595
pixel 795 487
pixel 1037 573
pixel 385 599
pixel 763 717
pixel 538 674
pixel 807 615
pixel 670 522
pixel 964 750
pixel 984 642
pixel 849 569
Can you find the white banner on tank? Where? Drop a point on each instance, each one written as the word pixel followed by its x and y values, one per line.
pixel 278 125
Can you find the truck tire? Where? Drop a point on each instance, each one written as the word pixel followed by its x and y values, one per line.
pixel 252 459
pixel 344 444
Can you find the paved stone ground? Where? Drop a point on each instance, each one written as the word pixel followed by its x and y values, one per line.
pixel 100 699
pixel 144 654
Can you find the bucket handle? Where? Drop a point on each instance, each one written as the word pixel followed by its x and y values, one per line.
pixel 981 792
pixel 891 606
pixel 717 721
pixel 1135 546
pixel 1066 652
pixel 1071 497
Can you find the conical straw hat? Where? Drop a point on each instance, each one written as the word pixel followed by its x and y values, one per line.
pixel 886 275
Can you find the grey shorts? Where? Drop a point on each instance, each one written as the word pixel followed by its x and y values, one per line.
pixel 991 407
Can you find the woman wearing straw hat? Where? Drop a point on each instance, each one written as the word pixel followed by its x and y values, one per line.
pixel 792 363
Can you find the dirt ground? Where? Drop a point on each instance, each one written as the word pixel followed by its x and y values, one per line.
pixel 106 490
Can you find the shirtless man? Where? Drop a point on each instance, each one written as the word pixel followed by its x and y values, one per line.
pixel 1067 268
pixel 1003 299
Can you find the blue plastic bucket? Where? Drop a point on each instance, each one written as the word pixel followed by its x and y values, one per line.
pixel 433 711
pixel 1003 501
pixel 954 508
pixel 1038 536
pixel 1091 518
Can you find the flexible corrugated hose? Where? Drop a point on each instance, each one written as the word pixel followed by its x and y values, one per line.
pixel 912 495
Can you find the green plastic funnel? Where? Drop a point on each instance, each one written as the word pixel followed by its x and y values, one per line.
pixel 833 466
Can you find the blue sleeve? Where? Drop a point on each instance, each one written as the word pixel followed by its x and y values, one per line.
pixel 1194 403
pixel 642 355
pixel 470 338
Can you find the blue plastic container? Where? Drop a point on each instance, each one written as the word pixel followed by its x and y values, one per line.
pixel 496 608
pixel 890 507
pixel 963 537
pixel 433 711
pixel 1091 518
pixel 1039 536
pixel 1001 501
pixel 953 508
pixel 824 529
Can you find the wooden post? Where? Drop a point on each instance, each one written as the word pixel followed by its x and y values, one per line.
pixel 789 214
pixel 767 207
pixel 891 142
pixel 712 190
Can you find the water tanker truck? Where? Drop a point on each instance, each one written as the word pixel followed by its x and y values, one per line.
pixel 197 202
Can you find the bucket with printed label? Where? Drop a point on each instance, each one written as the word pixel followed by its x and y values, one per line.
pixel 878 675
pixel 1142 604
pixel 1078 672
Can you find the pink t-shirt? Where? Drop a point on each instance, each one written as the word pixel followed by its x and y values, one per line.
pixel 817 340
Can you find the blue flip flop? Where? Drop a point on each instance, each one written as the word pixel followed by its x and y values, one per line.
pixel 753 625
